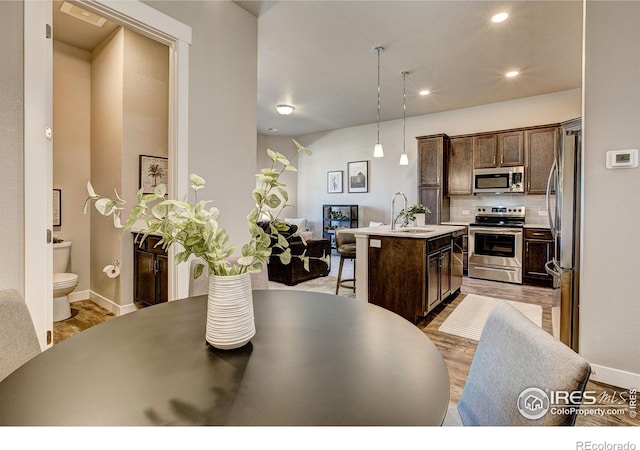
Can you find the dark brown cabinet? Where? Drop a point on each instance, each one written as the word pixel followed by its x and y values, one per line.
pixel 433 152
pixel 460 179
pixel 438 271
pixel 503 149
pixel 541 146
pixel 409 276
pixel 151 272
pixel 538 249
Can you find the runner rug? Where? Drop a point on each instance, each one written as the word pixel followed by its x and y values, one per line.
pixel 468 319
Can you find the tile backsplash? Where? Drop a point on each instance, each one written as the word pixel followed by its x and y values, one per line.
pixel 462 208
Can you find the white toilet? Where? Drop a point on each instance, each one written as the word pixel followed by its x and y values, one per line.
pixel 63 281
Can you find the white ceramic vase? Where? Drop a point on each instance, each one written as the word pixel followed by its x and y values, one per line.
pixel 420 219
pixel 230 321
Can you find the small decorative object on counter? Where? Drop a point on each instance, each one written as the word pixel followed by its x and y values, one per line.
pixel 414 213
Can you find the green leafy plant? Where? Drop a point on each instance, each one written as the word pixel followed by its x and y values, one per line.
pixel 408 215
pixel 196 227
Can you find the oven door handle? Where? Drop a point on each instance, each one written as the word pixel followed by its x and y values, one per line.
pixel 495 230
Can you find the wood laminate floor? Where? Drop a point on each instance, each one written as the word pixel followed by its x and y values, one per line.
pixel 456 351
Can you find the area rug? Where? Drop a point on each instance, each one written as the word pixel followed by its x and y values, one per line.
pixel 468 319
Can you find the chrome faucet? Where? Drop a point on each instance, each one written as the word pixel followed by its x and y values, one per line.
pixel 393 202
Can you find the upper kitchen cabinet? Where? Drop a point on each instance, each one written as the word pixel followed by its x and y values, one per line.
pixel 433 152
pixel 503 149
pixel 541 145
pixel 460 179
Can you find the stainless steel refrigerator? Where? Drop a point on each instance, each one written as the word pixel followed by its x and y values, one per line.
pixel 564 220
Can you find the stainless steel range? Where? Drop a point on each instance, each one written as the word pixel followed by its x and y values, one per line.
pixel 496 243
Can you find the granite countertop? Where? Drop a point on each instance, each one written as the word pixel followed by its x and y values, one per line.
pixel 457 222
pixel 426 232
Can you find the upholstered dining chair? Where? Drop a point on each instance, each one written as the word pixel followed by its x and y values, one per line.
pixel 18 339
pixel 200 285
pixel 346 248
pixel 513 356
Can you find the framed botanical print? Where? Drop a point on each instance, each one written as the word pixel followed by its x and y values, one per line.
pixel 334 182
pixel 153 171
pixel 358 173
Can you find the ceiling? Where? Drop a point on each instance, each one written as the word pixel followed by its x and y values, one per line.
pixel 319 56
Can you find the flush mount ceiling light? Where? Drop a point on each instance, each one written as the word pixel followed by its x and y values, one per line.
pixel 404 159
pixel 513 73
pixel 378 152
pixel 500 17
pixel 82 14
pixel 285 110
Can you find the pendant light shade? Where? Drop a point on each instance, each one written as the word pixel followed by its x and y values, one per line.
pixel 404 159
pixel 378 152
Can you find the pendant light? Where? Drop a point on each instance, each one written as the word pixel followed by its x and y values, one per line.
pixel 377 149
pixel 404 159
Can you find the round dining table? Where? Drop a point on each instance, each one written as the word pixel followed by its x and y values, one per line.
pixel 316 359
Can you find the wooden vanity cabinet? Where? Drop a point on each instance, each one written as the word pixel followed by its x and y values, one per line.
pixel 150 272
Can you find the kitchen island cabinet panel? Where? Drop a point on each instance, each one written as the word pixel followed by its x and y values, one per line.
pixel 397 276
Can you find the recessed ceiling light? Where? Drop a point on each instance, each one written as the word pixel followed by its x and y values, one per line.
pixel 273 130
pixel 513 73
pixel 500 17
pixel 424 92
pixel 82 14
pixel 285 110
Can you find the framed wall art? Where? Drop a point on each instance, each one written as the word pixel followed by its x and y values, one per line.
pixel 334 182
pixel 57 207
pixel 153 171
pixel 358 173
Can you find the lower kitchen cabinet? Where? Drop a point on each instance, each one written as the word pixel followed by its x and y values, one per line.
pixel 538 249
pixel 150 273
pixel 438 271
pixel 409 276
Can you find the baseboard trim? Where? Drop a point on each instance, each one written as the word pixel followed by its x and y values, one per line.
pixel 79 296
pixel 110 306
pixel 615 377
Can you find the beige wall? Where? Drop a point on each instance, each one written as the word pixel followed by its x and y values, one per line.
pixel 11 147
pixel 71 151
pixel 610 308
pixel 222 105
pixel 333 150
pixel 285 146
pixel 106 158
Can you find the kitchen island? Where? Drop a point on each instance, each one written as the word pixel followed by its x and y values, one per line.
pixel 409 270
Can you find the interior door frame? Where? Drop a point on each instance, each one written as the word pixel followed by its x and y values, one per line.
pixel 38 148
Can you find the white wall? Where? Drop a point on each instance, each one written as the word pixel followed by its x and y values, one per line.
pixel 610 286
pixel 332 150
pixel 223 61
pixel 11 147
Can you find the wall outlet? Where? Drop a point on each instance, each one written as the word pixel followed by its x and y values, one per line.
pixel 543 213
pixel 465 212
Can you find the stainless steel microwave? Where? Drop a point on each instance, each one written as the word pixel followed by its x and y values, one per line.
pixel 498 180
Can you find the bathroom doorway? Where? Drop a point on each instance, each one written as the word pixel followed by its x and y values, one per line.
pixel 135 17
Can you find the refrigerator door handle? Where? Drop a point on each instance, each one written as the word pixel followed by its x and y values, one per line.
pixel 552 225
pixel 552 269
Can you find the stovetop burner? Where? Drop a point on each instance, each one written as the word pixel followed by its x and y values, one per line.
pixel 500 216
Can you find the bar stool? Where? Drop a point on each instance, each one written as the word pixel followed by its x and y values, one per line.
pixel 346 247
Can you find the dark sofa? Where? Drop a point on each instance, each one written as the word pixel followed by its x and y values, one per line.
pixel 294 272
